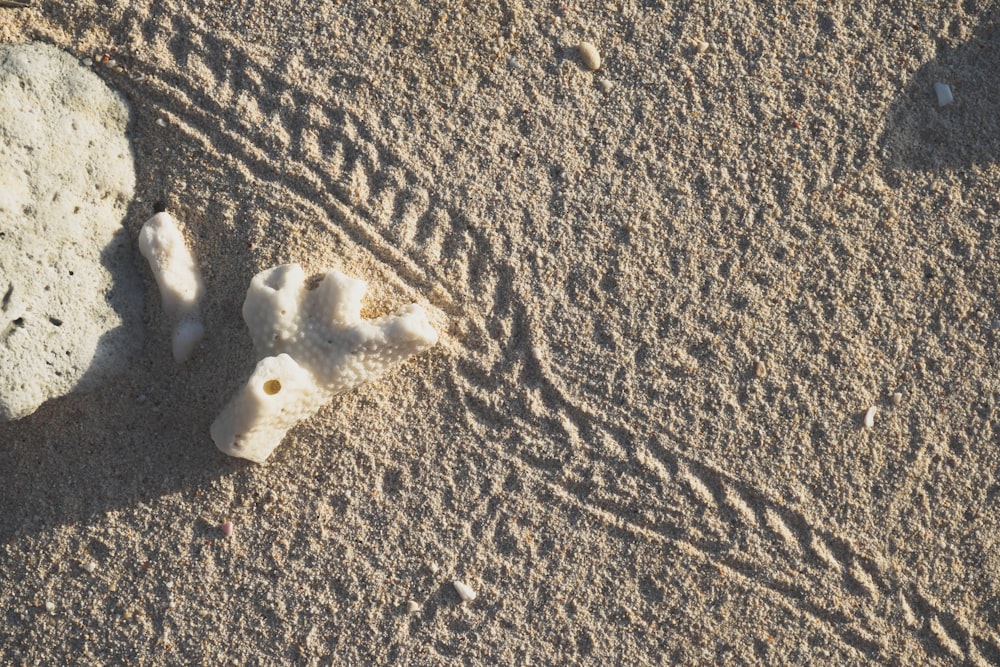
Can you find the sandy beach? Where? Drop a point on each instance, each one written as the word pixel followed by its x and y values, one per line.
pixel 669 291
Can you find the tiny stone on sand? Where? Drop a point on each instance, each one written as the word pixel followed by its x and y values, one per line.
pixel 870 417
pixel 227 529
pixel 90 567
pixel 944 96
pixel 412 607
pixel 463 590
pixel 590 56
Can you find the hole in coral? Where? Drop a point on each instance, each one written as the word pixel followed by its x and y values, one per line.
pixel 272 387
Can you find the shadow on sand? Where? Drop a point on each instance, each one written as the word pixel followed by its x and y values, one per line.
pixel 142 434
pixel 922 136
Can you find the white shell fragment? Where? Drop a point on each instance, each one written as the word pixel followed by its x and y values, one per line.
pixel 590 56
pixel 870 417
pixel 412 607
pixel 90 566
pixel 177 275
pixel 944 95
pixel 312 345
pixel 463 590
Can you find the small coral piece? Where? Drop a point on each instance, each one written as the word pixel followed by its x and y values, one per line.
pixel 177 275
pixel 312 346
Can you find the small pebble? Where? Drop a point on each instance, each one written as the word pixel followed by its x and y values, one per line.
pixel 412 607
pixel 464 592
pixel 433 567
pixel 50 606
pixel 161 122
pixel 87 62
pixel 169 585
pixel 944 96
pixel 90 567
pixel 590 56
pixel 110 63
pixel 227 529
pixel 870 417
pixel 897 398
pixel 701 46
pixel 606 85
pixel 759 368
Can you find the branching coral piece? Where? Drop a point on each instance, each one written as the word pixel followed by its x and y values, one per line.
pixel 312 345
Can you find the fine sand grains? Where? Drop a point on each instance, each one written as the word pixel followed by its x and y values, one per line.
pixel 666 303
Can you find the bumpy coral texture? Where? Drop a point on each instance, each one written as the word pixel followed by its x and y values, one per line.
pixel 313 345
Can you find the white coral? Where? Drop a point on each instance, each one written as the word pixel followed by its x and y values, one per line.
pixel 312 345
pixel 177 275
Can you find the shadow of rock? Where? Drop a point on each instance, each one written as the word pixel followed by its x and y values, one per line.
pixel 119 441
pixel 921 136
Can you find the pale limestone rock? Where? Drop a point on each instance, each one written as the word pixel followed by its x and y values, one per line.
pixel 70 297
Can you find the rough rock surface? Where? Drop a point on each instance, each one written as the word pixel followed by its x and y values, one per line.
pixel 70 301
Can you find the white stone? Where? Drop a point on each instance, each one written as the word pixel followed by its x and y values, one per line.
pixel 590 56
pixel 90 566
pixel 870 417
pixel 181 287
pixel 412 607
pixel 312 345
pixel 70 297
pixel 943 92
pixel 464 591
